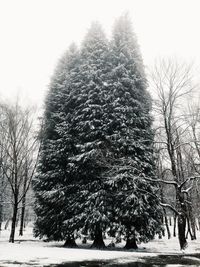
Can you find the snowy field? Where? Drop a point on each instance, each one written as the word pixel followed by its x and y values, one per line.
pixel 28 251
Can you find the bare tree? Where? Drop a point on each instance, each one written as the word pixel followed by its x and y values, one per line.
pixel 18 145
pixel 172 82
pixel 192 152
pixel 160 159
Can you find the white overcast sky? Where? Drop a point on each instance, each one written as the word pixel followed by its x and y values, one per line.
pixel 35 33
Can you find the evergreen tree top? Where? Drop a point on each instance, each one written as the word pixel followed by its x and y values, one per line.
pixel 94 43
pixel 124 43
pixel 64 65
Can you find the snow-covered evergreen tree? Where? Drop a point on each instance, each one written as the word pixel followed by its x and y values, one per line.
pixel 87 125
pixel 52 202
pixel 96 145
pixel 137 208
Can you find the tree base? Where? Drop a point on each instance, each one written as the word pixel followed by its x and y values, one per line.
pixel 181 232
pixel 98 239
pixel 183 243
pixel 131 244
pixel 84 241
pixel 99 244
pixel 111 245
pixel 70 243
pixel 21 233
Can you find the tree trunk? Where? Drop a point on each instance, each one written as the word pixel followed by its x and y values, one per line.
pixel 6 224
pixel 131 241
pixel 189 229
pixel 1 215
pixel 166 224
pixel 174 232
pixel 24 199
pixel 70 242
pixel 199 223
pixel 182 218
pixel 193 223
pixel 98 239
pixel 84 241
pixel 22 217
pixel 13 226
pixel 131 244
pixel 181 231
pixel 163 229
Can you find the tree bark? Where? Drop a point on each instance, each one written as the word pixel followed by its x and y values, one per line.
pixel 181 231
pixel 13 226
pixel 167 227
pixel 193 223
pixel 70 242
pixel 174 232
pixel 189 229
pixel 22 217
pixel 1 215
pixel 199 223
pixel 98 239
pixel 131 242
pixel 6 224
pixel 182 218
pixel 163 229
pixel 166 224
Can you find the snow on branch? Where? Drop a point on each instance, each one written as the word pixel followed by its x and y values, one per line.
pixel 188 180
pixel 187 190
pixel 161 181
pixel 164 205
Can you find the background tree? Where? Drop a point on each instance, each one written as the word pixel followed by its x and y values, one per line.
pixel 16 129
pixel 172 82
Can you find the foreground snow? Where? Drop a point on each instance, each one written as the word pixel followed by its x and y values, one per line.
pixel 28 251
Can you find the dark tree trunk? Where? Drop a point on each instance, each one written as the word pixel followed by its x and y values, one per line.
pixel 182 218
pixel 163 229
pixel 131 241
pixel 24 200
pixel 6 224
pixel 189 230
pixel 118 238
pixel 174 232
pixel 167 227
pixel 98 239
pixel 22 217
pixel 181 231
pixel 14 220
pixel 1 215
pixel 199 223
pixel 193 224
pixel 166 224
pixel 70 242
pixel 84 241
pixel 170 221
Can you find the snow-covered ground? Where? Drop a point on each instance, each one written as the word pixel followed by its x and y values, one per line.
pixel 28 251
